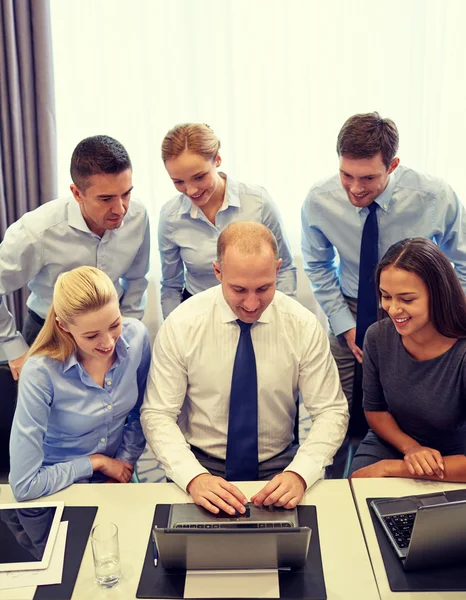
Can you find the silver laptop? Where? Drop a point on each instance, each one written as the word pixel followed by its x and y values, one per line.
pixel 263 538
pixel 428 530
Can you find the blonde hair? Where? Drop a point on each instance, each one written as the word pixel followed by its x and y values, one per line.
pixel 76 292
pixel 197 138
pixel 248 236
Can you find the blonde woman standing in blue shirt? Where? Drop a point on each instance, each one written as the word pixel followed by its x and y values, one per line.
pixel 77 418
pixel 207 202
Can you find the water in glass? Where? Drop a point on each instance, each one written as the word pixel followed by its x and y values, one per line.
pixel 107 570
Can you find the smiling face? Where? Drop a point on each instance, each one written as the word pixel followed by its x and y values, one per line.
pixel 405 299
pixel 105 201
pixel 248 281
pixel 364 179
pixel 96 333
pixel 197 178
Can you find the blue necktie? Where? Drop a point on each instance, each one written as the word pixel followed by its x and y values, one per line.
pixel 369 256
pixel 242 461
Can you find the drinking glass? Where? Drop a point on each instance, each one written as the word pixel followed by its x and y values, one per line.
pixel 104 539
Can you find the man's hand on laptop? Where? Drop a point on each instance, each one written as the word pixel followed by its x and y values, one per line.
pixel 285 489
pixel 214 493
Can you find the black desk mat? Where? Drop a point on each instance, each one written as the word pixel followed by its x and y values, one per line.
pixel 306 583
pixel 443 579
pixel 80 520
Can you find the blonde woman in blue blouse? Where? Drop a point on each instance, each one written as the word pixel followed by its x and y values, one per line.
pixel 208 201
pixel 80 390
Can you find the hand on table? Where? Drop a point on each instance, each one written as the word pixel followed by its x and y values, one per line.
pixel 119 470
pixel 422 460
pixel 285 489
pixel 350 337
pixel 214 493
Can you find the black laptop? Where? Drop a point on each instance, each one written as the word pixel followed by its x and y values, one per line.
pixel 427 530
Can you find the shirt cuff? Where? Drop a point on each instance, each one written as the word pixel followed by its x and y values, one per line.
pixel 183 479
pixel 342 321
pixel 309 470
pixel 82 468
pixel 14 348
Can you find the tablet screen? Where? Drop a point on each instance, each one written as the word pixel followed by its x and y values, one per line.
pixel 27 535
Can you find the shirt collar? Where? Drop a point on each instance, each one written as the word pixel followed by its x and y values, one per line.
pixel 231 199
pixel 384 199
pixel 121 350
pixel 76 220
pixel 228 316
pixel 75 217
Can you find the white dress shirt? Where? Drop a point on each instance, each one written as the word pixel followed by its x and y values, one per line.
pixel 188 388
pixel 54 238
pixel 188 240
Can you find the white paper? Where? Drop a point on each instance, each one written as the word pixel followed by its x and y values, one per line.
pixel 243 583
pixel 52 574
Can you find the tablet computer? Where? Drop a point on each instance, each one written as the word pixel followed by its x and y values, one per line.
pixel 27 534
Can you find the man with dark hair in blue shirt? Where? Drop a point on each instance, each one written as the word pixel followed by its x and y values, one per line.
pixel 395 202
pixel 96 226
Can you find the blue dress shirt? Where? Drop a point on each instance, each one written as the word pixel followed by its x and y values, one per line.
pixel 188 240
pixel 55 238
pixel 412 205
pixel 63 416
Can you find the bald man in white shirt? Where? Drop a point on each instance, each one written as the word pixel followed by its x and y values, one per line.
pixel 186 415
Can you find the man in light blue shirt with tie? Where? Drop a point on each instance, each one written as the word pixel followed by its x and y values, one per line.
pixel 96 226
pixel 334 214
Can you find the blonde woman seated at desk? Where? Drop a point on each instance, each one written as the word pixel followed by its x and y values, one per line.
pixel 77 418
pixel 208 201
pixel 415 369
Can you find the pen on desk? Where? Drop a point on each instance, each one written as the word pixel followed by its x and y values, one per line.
pixel 154 549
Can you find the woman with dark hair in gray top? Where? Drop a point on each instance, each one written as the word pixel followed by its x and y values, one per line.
pixel 415 369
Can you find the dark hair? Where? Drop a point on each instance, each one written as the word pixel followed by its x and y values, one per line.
pixel 97 155
pixel 364 136
pixel 447 301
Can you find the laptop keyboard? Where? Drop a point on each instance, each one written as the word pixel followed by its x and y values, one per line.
pixel 401 527
pixel 233 525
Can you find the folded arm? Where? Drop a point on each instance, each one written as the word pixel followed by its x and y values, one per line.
pixel 454 470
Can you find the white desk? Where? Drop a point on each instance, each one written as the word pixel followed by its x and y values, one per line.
pixel 374 488
pixel 347 570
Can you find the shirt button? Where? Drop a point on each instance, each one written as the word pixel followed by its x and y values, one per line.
pixel 109 407
pixel 109 382
pixel 102 440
